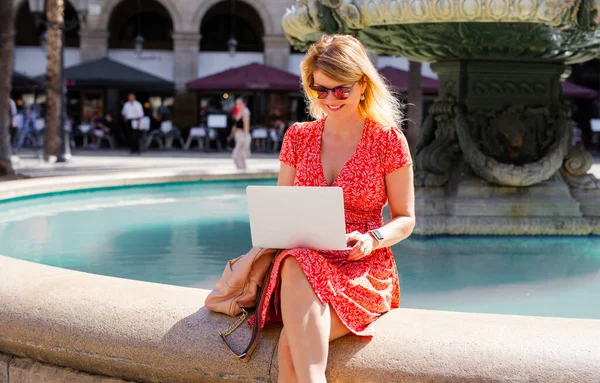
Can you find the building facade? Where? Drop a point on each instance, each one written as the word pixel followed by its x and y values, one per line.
pixel 183 39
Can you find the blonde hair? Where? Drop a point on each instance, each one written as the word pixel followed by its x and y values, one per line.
pixel 343 58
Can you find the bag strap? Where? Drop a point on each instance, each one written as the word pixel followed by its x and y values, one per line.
pixel 256 328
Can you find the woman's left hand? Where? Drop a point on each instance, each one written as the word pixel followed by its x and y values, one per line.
pixel 362 245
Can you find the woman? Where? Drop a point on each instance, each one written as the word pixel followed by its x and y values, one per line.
pixel 241 133
pixel 323 295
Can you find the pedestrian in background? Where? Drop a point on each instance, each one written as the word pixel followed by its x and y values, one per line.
pixel 241 134
pixel 133 112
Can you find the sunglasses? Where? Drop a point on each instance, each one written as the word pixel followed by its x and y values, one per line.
pixel 339 92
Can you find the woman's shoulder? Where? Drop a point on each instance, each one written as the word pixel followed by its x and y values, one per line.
pixel 304 128
pixel 388 139
pixel 387 133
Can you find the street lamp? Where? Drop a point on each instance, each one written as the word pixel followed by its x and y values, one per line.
pixel 232 45
pixel 38 9
pixel 139 44
pixel 232 42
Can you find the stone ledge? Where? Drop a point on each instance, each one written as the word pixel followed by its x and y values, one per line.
pixel 473 225
pixel 5 360
pixel 151 332
pixel 35 186
pixel 23 370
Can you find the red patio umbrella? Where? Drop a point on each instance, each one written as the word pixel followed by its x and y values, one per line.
pixel 398 78
pixel 248 77
pixel 571 90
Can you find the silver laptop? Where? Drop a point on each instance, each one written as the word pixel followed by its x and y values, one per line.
pixel 286 217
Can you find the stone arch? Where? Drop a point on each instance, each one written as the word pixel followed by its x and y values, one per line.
pixel 216 28
pixel 154 19
pixel 27 34
pixel 258 6
pixel 109 6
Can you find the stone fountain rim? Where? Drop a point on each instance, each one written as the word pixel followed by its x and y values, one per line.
pixel 144 331
pixel 423 11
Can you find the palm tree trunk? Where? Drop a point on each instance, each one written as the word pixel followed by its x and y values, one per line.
pixel 55 15
pixel 415 101
pixel 6 61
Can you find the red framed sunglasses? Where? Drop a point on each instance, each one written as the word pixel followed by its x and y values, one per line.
pixel 339 92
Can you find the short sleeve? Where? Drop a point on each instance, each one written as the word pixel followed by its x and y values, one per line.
pixel 288 154
pixel 397 153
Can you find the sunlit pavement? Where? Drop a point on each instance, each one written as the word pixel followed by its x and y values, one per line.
pixel 89 162
pixel 30 163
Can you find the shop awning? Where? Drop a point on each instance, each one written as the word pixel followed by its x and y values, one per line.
pixel 398 78
pixel 106 73
pixel 255 77
pixel 571 90
pixel 21 81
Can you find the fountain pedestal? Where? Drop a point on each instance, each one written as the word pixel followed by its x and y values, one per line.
pixel 494 154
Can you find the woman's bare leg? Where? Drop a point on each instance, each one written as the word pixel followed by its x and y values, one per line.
pixel 284 356
pixel 284 360
pixel 309 324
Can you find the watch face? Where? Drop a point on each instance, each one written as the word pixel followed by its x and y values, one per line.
pixel 377 234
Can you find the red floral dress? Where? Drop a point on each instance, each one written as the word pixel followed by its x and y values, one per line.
pixel 359 291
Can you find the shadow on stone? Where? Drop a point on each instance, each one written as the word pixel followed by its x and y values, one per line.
pixel 197 336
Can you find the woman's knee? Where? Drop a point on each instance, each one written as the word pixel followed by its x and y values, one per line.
pixel 291 269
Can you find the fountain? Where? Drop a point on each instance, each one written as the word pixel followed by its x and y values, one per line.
pixel 494 154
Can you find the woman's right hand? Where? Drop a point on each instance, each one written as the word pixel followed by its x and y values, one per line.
pixel 362 245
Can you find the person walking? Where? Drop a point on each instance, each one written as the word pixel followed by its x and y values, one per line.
pixel 13 129
pixel 133 112
pixel 241 133
pixel 354 144
pixel 28 131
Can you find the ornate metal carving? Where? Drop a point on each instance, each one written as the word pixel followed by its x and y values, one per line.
pixel 575 168
pixel 517 135
pixel 577 162
pixel 429 30
pixel 378 12
pixel 437 147
pixel 509 88
pixel 511 174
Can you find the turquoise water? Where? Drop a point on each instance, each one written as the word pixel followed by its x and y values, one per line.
pixel 182 234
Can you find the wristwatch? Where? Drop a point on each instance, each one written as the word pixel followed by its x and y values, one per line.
pixel 376 235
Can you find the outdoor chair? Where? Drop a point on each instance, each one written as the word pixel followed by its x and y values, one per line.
pixel 18 124
pixel 214 136
pixel 216 123
pixel 105 137
pixel 40 128
pixel 167 133
pixel 259 137
pixel 144 132
pixel 274 140
pixel 198 134
pixel 29 134
pixel 86 131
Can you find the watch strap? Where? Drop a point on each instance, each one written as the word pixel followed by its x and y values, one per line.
pixel 376 235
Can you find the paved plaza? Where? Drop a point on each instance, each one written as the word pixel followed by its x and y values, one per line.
pixel 30 163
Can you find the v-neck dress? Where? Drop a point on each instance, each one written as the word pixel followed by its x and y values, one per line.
pixel 359 291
